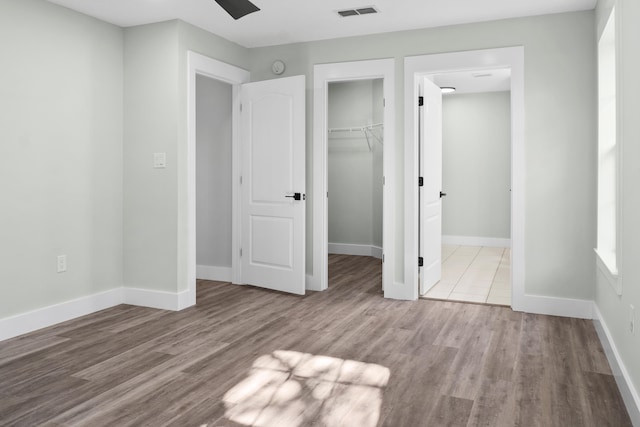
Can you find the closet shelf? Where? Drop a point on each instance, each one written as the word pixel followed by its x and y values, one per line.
pixel 356 129
pixel 367 130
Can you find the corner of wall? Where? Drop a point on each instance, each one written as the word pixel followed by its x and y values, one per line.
pixel 623 379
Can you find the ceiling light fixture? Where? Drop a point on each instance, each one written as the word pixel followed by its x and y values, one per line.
pixel 448 89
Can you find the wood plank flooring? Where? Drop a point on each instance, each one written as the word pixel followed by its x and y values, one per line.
pixel 345 357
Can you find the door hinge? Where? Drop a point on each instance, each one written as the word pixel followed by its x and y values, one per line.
pixel 384 102
pixel 384 180
pixel 241 108
pixel 420 261
pixel 420 101
pixel 241 252
pixel 420 181
pixel 382 257
pixel 240 179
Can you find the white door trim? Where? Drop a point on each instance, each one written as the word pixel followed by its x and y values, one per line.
pixel 347 71
pixel 202 65
pixel 416 66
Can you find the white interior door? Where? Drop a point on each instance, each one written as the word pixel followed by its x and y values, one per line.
pixel 430 246
pixel 273 173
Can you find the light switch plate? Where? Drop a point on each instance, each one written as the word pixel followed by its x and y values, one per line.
pixel 159 160
pixel 62 263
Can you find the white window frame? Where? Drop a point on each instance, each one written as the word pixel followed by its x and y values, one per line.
pixel 609 148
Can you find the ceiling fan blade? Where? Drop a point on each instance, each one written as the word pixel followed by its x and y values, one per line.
pixel 238 8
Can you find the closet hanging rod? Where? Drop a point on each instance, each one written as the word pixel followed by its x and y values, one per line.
pixel 355 129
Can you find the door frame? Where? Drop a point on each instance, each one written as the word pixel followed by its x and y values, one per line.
pixel 198 64
pixel 323 74
pixel 414 68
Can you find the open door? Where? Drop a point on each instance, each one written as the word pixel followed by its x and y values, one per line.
pixel 273 184
pixel 430 205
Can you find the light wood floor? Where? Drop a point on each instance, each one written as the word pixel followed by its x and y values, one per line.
pixel 345 357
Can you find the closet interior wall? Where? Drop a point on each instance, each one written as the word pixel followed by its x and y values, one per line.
pixel 213 179
pixel 355 160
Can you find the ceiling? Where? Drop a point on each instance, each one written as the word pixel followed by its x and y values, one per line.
pixel 291 21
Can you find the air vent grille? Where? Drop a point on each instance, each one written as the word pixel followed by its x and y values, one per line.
pixel 366 10
pixel 358 11
pixel 349 12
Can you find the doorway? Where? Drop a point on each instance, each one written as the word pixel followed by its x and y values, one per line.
pixel 416 68
pixel 214 132
pixel 268 210
pixel 324 76
pixel 476 181
pixel 355 118
pixel 200 66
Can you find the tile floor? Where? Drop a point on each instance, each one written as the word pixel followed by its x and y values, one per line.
pixel 474 274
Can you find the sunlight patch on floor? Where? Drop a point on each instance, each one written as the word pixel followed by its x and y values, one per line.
pixel 290 389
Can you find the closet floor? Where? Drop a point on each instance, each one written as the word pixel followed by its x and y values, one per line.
pixel 474 274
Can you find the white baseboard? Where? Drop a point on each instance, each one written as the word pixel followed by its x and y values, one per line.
pixel 211 272
pixel 553 306
pixel 163 300
pixel 492 242
pixel 625 385
pixel 376 252
pixel 309 282
pixel 186 299
pixel 399 291
pixel 350 249
pixel 41 318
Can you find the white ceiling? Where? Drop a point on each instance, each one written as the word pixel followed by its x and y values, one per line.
pixel 290 21
pixel 495 80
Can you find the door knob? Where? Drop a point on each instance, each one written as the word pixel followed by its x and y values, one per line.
pixel 442 194
pixel 298 196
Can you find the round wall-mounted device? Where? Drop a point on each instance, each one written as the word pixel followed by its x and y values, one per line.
pixel 277 67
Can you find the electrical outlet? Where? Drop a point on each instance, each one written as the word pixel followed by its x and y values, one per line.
pixel 62 263
pixel 632 319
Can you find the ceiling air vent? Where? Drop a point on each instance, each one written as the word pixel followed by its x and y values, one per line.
pixel 366 10
pixel 358 11
pixel 349 12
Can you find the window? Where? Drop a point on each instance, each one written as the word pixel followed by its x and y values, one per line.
pixel 607 154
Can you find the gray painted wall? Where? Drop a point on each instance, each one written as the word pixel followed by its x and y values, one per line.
pixel 155 202
pixel 476 164
pixel 60 155
pixel 353 216
pixel 150 126
pixel 560 99
pixel 213 172
pixel 614 308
